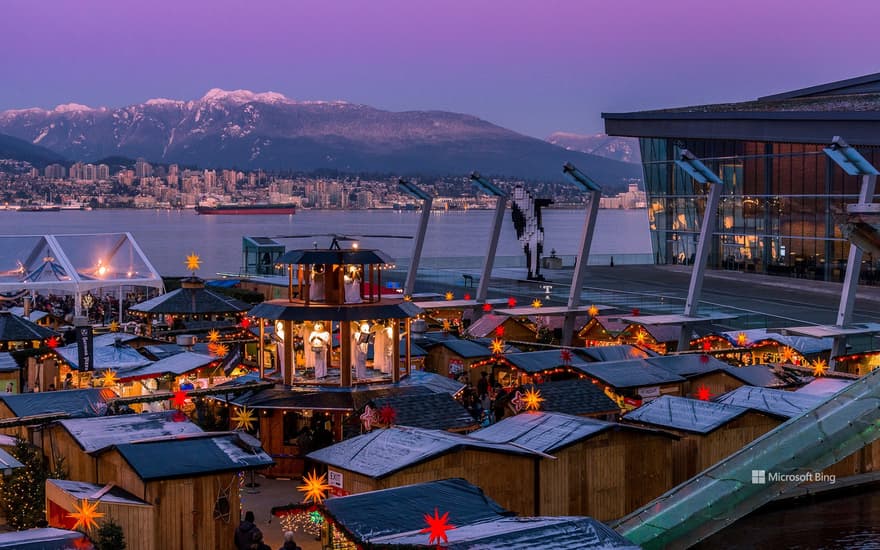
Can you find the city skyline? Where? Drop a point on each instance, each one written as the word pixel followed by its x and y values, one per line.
pixel 532 67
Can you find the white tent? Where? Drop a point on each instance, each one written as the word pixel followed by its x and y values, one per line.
pixel 74 264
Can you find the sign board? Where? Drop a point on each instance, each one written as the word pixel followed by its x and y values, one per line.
pixel 334 479
pixel 85 348
pixel 652 391
pixel 456 366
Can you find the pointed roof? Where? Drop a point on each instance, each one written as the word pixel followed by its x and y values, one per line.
pixel 15 329
pixel 191 299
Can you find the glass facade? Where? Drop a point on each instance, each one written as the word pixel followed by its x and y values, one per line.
pixel 779 210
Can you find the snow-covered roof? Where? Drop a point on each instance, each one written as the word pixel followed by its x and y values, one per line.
pixel 681 413
pixel 7 362
pixel 83 490
pixel 784 404
pixel 385 451
pixel 34 315
pixel 824 387
pixel 94 434
pixel 804 345
pixel 48 538
pixel 177 364
pixel 108 353
pixel 542 431
pixel 74 263
pixel 76 403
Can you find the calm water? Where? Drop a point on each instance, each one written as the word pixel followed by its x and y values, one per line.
pixel 167 236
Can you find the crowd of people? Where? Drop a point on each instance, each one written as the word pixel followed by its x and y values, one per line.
pixel 249 537
pixel 487 403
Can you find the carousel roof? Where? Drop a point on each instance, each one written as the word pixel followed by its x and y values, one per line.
pixel 15 329
pixel 74 263
pixel 282 310
pixel 192 299
pixel 335 256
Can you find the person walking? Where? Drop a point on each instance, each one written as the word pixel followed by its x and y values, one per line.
pixel 289 543
pixel 245 531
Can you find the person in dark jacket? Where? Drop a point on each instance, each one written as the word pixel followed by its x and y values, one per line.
pixel 289 543
pixel 245 531
pixel 257 541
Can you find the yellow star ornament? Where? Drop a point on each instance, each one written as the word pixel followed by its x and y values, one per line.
pixel 497 346
pixel 536 303
pixel 593 311
pixel 788 355
pixel 742 339
pixel 219 350
pixel 85 515
pixel 109 378
pixel 214 336
pixel 193 262
pixel 820 367
pixel 114 326
pixel 449 295
pixel 533 399
pixel 244 419
pixel 314 487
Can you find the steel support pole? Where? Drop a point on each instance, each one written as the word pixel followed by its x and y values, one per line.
pixel 287 372
pixel 489 262
pixel 410 284
pixel 580 268
pixel 262 348
pixel 701 259
pixel 851 279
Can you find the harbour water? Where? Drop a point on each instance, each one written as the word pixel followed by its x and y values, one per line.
pixel 167 236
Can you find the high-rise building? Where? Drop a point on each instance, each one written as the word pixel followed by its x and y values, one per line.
pixel 76 171
pixel 55 171
pixel 142 169
pixel 89 172
pixel 103 172
pixel 210 180
pixel 781 194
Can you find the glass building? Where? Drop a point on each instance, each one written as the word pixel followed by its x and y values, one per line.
pixel 783 199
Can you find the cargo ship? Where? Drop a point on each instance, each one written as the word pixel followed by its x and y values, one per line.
pixel 245 209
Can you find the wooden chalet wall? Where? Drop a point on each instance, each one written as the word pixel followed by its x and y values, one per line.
pixel 606 476
pixel 184 518
pixel 58 443
pixel 286 457
pixel 137 521
pixel 718 383
pixel 507 479
pixel 439 356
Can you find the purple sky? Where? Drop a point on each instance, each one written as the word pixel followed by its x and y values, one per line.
pixel 533 66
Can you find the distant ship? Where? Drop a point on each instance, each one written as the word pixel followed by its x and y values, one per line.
pixel 243 209
pixel 40 209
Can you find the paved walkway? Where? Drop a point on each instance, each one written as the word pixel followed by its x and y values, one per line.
pixel 270 493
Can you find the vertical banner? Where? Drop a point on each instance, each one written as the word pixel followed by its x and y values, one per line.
pixel 85 347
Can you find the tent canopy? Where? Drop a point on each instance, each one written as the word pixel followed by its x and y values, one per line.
pixel 74 264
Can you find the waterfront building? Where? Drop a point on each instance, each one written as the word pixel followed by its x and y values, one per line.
pixel 782 195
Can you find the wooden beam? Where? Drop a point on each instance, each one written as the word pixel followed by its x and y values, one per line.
pixel 344 354
pixel 395 345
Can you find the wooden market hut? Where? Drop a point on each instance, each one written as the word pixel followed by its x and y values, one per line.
pixel 330 413
pixel 39 317
pixel 46 538
pixel 51 406
pixel 433 411
pixel 191 481
pixel 76 441
pixel 576 396
pixel 601 469
pixel 10 374
pixel 659 338
pixel 391 518
pixel 495 325
pixel 451 356
pixel 135 516
pixel 760 346
pixel 19 333
pixel 601 330
pixel 397 456
pixel 633 380
pixel 709 431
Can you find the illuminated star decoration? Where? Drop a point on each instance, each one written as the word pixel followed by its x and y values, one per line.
pixel 532 399
pixel 407 298
pixel 565 356
pixel 497 346
pixel 446 325
pixel 536 303
pixel 315 487
pixel 742 339
pixel 517 401
pixel 193 262
pixel 635 312
pixel 214 336
pixel 788 355
pixel 368 417
pixel 511 302
pixel 449 295
pixel 387 415
pixel 245 322
pixel 437 527
pixel 487 307
pixel 52 342
pixel 820 367
pixel 85 515
pixel 703 393
pixel 114 326
pixel 244 419
pixel 109 378
pixel 499 331
pixel 219 350
pixel 467 296
pixel 641 337
pixel 707 345
pixel 593 311
pixel 179 398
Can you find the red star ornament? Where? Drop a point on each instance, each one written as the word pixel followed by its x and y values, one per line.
pixel 703 393
pixel 511 302
pixel 437 527
pixel 565 356
pixel 499 331
pixel 487 307
pixel 387 415
pixel 179 399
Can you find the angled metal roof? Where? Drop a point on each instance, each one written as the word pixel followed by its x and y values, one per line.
pixel 467 349
pixel 575 396
pixel 383 452
pixel 824 387
pixel 621 352
pixel 547 432
pixel 522 533
pixel 756 375
pixel 322 397
pixel 48 538
pixel 804 345
pixel 633 373
pixel 173 458
pixel 8 462
pixel 434 382
pixel 486 325
pixel 282 310
pixel 108 354
pixel 177 364
pixel 8 363
pixel 781 403
pixel 687 365
pixel 333 256
pixel 76 403
pixel 94 434
pixel 438 411
pixel 368 516
pixel 689 415
pixel 191 301
pixel 538 361
pixel 83 490
pixel 16 329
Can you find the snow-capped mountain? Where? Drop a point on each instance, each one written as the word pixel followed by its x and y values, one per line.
pixel 267 130
pixel 617 148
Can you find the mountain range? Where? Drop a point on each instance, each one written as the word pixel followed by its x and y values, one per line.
pixel 19 149
pixel 618 148
pixel 269 131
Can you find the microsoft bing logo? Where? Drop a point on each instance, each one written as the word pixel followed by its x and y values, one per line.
pixel 759 477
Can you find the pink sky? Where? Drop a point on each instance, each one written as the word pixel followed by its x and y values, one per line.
pixel 533 66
